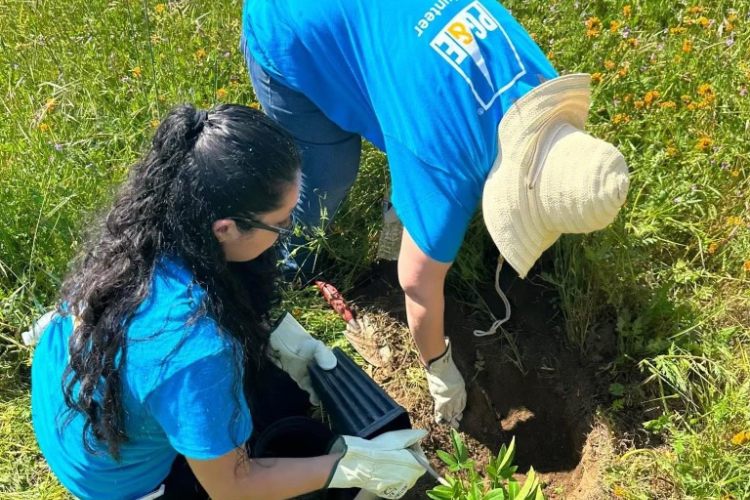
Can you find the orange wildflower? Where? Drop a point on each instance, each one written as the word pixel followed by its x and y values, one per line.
pixel 741 438
pixel 703 22
pixel 712 248
pixel 704 143
pixel 747 265
pixel 614 26
pixel 596 78
pixel 609 64
pixel 627 11
pixel 160 8
pixel 687 45
pixel 221 93
pixel 679 30
pixel 43 127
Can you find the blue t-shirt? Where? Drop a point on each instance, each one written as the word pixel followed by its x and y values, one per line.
pixel 178 391
pixel 426 81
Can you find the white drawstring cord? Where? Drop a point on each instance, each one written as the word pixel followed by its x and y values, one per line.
pixel 496 324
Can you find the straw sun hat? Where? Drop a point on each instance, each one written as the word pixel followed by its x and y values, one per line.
pixel 550 177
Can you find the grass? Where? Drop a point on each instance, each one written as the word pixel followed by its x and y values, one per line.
pixel 83 84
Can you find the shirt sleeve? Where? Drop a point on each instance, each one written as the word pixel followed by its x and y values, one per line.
pixel 434 203
pixel 201 409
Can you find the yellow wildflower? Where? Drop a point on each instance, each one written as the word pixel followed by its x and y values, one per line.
pixel 137 72
pixel 43 127
pixel 672 151
pixel 592 33
pixel 609 64
pixel 626 11
pixel 221 93
pixel 650 96
pixel 677 59
pixel 735 173
pixel 732 17
pixel 679 30
pixel 691 106
pixel 703 21
pixel 638 104
pixel 627 97
pixel 155 39
pixel 633 42
pixel 596 78
pixel 551 55
pixel 620 118
pixel 712 248
pixel 160 8
pixel 622 72
pixel 686 99
pixel 200 54
pixel 704 143
pixel 49 106
pixel 255 105
pixel 696 9
pixel 734 220
pixel 741 437
pixel 668 105
pixel 154 123
pixel 594 26
pixel 614 26
pixel 619 492
pixel 687 45
pixel 706 89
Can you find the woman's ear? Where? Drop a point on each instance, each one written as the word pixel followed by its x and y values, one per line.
pixel 223 229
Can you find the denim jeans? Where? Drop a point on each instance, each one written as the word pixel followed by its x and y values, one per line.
pixel 330 155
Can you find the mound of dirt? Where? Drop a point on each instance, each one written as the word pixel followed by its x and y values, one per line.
pixel 522 383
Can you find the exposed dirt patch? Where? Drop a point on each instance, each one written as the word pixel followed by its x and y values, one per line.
pixel 522 383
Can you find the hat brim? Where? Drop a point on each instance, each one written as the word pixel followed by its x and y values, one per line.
pixel 509 206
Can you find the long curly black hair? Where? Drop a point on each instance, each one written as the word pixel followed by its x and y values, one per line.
pixel 203 166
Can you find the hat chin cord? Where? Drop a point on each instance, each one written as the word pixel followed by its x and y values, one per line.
pixel 499 322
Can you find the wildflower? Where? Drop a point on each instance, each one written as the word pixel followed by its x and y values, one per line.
pixel 614 26
pixel 735 173
pixel 609 64
pixel 221 93
pixel 729 42
pixel 679 30
pixel 155 39
pixel 691 106
pixel 733 220
pixel 729 27
pixel 712 248
pixel 596 78
pixel 255 105
pixel 533 37
pixel 677 59
pixel 154 123
pixel 627 97
pixel 626 11
pixel 747 265
pixel 702 21
pixel 686 99
pixel 49 106
pixel 594 26
pixel 621 118
pixel 650 96
pixel 137 72
pixel 58 147
pixel 687 45
pixel 633 42
pixel 160 8
pixel 706 89
pixel 43 127
pixel 672 151
pixel 704 143
pixel 741 437
pixel 668 105
pixel 696 9
pixel 234 84
pixel 625 33
pixel 638 104
pixel 200 54
pixel 743 92
pixel 622 72
pixel 619 492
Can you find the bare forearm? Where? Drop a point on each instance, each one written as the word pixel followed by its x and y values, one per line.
pixel 425 315
pixel 233 477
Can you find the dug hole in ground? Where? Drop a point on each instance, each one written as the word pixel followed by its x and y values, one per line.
pixel 548 405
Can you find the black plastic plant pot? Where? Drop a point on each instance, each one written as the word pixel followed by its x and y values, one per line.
pixel 357 406
pixel 300 437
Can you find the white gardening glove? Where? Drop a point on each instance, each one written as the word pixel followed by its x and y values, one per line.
pixel 293 350
pixel 383 465
pixel 447 388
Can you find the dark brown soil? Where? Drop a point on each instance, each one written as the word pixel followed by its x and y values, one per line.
pixel 525 383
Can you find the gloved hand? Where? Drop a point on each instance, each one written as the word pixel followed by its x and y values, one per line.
pixel 447 388
pixel 383 465
pixel 293 349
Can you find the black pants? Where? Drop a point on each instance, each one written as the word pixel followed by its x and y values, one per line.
pixel 278 397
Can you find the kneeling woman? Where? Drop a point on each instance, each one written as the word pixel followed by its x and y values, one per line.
pixel 152 379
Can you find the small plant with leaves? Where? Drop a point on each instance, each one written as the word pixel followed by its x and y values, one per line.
pixel 465 483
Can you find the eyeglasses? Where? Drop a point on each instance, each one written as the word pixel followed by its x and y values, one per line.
pixel 285 231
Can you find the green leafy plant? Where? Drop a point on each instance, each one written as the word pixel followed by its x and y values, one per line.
pixel 465 483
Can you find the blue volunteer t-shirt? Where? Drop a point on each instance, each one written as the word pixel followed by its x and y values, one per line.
pixel 426 81
pixel 178 389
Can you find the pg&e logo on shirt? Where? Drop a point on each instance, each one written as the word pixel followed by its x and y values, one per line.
pixel 465 41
